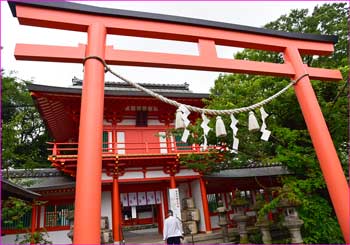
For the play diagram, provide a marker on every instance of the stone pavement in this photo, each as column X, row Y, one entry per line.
column 151, row 236
column 145, row 236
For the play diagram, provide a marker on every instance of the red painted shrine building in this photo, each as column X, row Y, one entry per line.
column 138, row 158
column 139, row 153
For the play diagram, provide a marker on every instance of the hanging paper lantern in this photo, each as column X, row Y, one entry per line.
column 220, row 127
column 253, row 124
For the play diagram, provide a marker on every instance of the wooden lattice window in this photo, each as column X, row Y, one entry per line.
column 141, row 118
column 56, row 215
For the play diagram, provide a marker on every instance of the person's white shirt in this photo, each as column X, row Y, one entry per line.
column 172, row 227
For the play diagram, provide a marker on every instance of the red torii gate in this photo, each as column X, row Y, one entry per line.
column 98, row 22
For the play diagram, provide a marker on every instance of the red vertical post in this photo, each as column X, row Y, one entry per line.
column 330, row 165
column 172, row 181
column 33, row 224
column 114, row 138
column 165, row 201
column 38, row 218
column 116, row 210
column 87, row 212
column 160, row 218
column 205, row 206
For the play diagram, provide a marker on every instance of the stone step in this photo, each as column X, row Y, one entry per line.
column 210, row 238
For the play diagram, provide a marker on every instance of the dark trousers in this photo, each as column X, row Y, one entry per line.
column 173, row 240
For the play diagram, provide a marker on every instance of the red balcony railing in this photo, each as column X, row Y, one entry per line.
column 130, row 148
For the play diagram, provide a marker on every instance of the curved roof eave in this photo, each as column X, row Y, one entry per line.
column 88, row 9
column 64, row 90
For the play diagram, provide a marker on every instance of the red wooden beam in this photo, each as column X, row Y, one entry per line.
column 66, row 20
column 152, row 59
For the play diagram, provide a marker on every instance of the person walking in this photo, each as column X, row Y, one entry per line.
column 172, row 231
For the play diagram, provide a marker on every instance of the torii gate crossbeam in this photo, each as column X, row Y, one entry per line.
column 98, row 22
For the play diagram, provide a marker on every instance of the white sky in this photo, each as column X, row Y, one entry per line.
column 57, row 74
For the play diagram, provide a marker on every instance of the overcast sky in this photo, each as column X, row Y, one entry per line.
column 236, row 12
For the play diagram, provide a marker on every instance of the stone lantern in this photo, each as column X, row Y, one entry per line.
column 223, row 223
column 293, row 223
column 292, row 220
column 263, row 222
column 239, row 205
column 264, row 225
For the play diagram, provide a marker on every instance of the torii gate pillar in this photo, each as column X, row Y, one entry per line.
column 322, row 141
column 89, row 167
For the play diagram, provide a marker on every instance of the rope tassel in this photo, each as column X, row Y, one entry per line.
column 253, row 124
column 220, row 127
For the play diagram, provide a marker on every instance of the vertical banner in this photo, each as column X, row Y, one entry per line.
column 159, row 197
column 124, row 198
column 174, row 198
column 132, row 199
column 151, row 198
column 141, row 198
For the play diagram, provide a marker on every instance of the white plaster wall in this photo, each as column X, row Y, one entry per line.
column 56, row 237
column 106, row 206
column 156, row 174
column 127, row 122
column 196, row 194
column 105, row 122
column 154, row 122
column 132, row 175
column 106, row 177
column 187, row 172
column 183, row 192
column 42, row 216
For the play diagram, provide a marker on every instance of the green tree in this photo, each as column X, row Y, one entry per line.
column 24, row 136
column 290, row 143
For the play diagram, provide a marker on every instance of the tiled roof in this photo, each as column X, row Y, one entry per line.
column 11, row 189
column 250, row 172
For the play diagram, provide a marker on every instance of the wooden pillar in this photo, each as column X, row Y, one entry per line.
column 160, row 218
column 165, row 202
column 205, row 206
column 330, row 165
column 172, row 181
column 33, row 223
column 116, row 211
column 38, row 218
column 87, row 212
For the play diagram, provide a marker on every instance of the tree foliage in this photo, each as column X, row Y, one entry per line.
column 24, row 136
column 290, row 143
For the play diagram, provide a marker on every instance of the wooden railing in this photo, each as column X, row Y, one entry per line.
column 108, row 148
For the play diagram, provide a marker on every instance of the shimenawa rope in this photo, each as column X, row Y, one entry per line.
column 193, row 108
